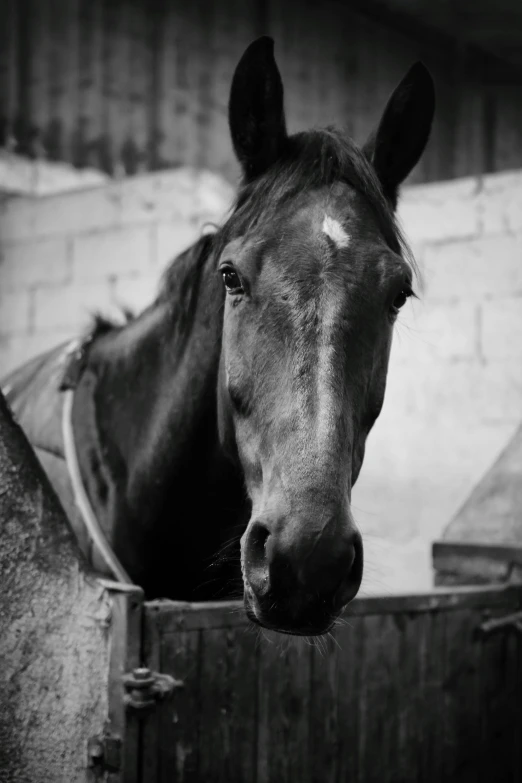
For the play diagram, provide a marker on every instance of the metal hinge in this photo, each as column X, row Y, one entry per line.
column 511, row 622
column 144, row 688
column 104, row 753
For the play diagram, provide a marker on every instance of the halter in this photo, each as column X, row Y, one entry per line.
column 75, row 358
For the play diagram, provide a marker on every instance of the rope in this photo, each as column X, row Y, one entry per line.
column 80, row 496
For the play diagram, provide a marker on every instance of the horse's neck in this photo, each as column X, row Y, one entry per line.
column 157, row 386
column 155, row 467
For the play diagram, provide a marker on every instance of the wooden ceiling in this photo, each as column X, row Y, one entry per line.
column 495, row 26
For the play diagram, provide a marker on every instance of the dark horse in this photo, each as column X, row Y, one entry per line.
column 239, row 402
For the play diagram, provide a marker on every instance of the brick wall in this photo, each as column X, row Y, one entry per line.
column 454, row 393
column 65, row 256
column 455, row 383
column 23, row 176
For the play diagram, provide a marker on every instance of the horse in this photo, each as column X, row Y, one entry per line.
column 219, row 433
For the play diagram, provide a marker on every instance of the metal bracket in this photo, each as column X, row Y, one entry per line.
column 144, row 688
column 104, row 753
column 511, row 622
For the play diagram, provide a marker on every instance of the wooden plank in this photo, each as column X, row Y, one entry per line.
column 22, row 114
column 63, row 79
column 228, row 706
column 337, row 677
column 196, row 53
column 36, row 108
column 507, row 154
column 469, row 154
column 458, row 735
column 115, row 83
column 409, row 694
column 515, row 677
column 414, row 686
column 511, row 706
column 224, row 37
column 284, row 704
column 138, row 31
column 8, row 68
column 513, row 553
column 126, row 620
column 202, row 63
column 500, row 734
column 343, row 36
column 174, row 616
column 351, row 639
column 180, row 740
column 184, row 42
column 485, row 563
column 431, row 645
column 149, row 761
column 329, row 662
column 88, row 142
column 224, row 52
column 157, row 17
column 166, row 114
column 379, row 705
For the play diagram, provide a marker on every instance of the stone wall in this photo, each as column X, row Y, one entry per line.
column 23, row 176
column 66, row 256
column 455, row 383
column 454, row 392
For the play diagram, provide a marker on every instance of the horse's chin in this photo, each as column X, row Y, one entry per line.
column 256, row 617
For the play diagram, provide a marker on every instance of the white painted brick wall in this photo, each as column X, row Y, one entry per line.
column 21, row 176
column 501, row 329
column 170, row 239
column 482, row 267
column 454, row 392
column 25, row 265
column 68, row 308
column 455, row 383
column 115, row 252
column 135, row 292
column 64, row 256
column 15, row 312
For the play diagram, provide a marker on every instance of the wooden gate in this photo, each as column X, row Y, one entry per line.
column 409, row 689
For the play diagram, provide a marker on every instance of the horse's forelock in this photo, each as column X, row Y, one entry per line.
column 313, row 159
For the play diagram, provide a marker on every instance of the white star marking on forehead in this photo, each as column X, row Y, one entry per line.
column 333, row 229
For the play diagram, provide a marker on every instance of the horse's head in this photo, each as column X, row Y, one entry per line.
column 315, row 274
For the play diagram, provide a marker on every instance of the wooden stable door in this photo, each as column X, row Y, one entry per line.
column 409, row 689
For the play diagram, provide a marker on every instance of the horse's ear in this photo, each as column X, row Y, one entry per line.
column 403, row 132
column 255, row 111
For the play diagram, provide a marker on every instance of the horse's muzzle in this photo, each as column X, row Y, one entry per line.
column 295, row 590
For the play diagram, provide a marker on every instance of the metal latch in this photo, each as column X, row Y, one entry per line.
column 104, row 753
column 511, row 622
column 144, row 688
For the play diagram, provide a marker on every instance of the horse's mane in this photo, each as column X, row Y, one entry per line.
column 102, row 324
column 178, row 288
column 181, row 280
column 310, row 159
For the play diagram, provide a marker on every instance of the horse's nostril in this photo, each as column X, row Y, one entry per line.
column 255, row 559
column 349, row 586
column 350, row 559
column 256, row 552
column 358, row 562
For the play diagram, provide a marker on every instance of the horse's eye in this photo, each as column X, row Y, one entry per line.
column 400, row 299
column 232, row 281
